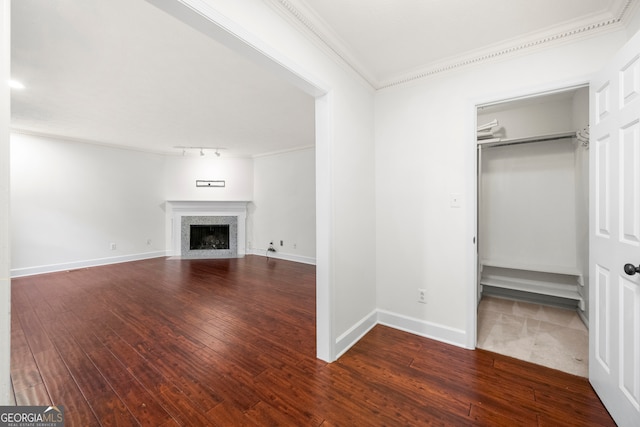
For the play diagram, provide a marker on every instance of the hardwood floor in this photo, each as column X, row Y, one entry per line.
column 166, row 342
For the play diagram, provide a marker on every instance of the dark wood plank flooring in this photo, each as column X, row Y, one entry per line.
column 167, row 342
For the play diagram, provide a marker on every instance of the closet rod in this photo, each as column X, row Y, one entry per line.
column 528, row 140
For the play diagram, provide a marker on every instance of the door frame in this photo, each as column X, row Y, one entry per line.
column 472, row 182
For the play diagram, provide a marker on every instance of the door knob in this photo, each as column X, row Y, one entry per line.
column 631, row 269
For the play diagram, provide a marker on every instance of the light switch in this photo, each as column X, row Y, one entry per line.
column 454, row 200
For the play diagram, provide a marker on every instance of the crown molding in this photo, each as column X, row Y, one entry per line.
column 310, row 24
column 63, row 138
column 313, row 25
column 165, row 152
column 588, row 27
column 285, row 151
column 625, row 9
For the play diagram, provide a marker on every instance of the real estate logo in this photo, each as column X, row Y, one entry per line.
column 31, row 416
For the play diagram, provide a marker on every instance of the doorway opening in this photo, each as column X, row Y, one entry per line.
column 532, row 227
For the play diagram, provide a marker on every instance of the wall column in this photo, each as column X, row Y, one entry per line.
column 5, row 258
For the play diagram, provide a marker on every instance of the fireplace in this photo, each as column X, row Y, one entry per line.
column 206, row 237
column 206, row 229
column 209, row 236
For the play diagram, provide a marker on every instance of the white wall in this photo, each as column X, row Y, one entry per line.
column 70, row 201
column 425, row 151
column 283, row 207
column 181, row 174
column 345, row 157
column 5, row 260
column 527, row 204
column 383, row 215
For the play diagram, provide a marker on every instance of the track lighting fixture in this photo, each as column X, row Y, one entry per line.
column 201, row 149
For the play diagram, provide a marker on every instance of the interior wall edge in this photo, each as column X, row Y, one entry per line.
column 5, row 241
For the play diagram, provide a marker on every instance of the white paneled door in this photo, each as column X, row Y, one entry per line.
column 614, row 216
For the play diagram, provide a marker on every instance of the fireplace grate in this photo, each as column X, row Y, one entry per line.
column 209, row 237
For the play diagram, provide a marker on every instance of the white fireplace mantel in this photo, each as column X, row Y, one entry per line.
column 176, row 209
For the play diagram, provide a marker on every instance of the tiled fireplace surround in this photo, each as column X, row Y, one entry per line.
column 181, row 214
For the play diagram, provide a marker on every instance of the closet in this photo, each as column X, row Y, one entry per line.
column 533, row 199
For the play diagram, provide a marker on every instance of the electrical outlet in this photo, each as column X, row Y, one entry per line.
column 281, row 243
column 148, row 241
column 422, row 296
column 113, row 246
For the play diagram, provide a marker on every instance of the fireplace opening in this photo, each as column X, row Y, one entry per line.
column 207, row 237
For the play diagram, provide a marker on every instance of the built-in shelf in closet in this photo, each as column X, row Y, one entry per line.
column 560, row 282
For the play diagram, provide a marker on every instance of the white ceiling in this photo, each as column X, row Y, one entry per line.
column 121, row 72
column 388, row 40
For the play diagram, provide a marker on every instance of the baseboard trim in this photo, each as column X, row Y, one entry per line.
column 345, row 341
column 52, row 268
column 583, row 317
column 446, row 334
column 283, row 256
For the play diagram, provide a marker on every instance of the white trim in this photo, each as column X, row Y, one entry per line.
column 345, row 341
column 423, row 328
column 283, row 256
column 471, row 255
column 52, row 268
column 583, row 317
column 7, row 396
column 47, row 135
column 311, row 25
column 288, row 150
column 434, row 331
column 522, row 46
column 325, row 279
column 307, row 21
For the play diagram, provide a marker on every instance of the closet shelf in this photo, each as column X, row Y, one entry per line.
column 555, row 269
column 534, row 286
column 513, row 141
